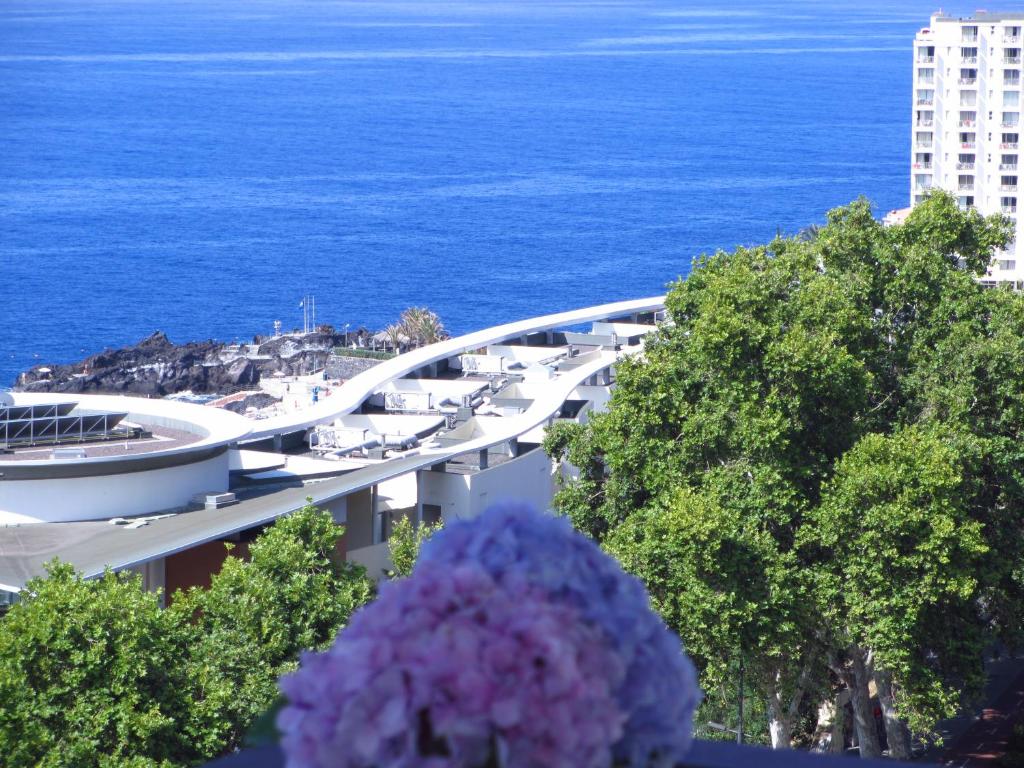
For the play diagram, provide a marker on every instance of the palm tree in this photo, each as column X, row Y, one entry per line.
column 396, row 335
column 422, row 326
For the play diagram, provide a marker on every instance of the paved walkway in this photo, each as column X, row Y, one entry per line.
column 981, row 745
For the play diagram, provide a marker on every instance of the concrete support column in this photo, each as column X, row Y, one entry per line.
column 419, row 498
column 278, row 444
column 483, row 459
column 513, row 447
column 375, row 516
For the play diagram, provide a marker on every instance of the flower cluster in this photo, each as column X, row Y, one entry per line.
column 659, row 692
column 515, row 642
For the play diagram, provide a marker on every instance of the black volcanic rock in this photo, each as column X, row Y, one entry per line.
column 156, row 366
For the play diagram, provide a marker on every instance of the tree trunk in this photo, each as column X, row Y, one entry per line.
column 841, row 723
column 895, row 731
column 779, row 726
column 830, row 731
column 863, row 715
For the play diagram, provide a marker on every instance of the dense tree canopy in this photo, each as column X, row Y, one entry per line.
column 816, row 466
column 90, row 675
column 95, row 673
column 404, row 544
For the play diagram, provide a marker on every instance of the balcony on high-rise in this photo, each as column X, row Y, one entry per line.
column 1011, row 56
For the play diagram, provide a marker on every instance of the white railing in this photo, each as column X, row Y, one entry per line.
column 965, row 166
column 1007, row 166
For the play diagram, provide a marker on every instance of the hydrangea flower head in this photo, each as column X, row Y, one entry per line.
column 515, row 543
column 452, row 668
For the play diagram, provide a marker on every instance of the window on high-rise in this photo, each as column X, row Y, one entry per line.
column 1011, row 98
column 1011, row 119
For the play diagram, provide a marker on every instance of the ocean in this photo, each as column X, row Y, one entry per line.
column 198, row 166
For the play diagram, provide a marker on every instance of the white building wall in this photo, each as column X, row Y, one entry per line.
column 154, row 577
column 106, row 496
column 376, row 559
column 526, row 478
column 966, row 126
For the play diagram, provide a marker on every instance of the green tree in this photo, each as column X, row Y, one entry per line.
column 294, row 593
column 422, row 326
column 90, row 675
column 897, row 551
column 725, row 435
column 404, row 544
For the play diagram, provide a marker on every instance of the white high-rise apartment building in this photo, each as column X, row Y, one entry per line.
column 967, row 120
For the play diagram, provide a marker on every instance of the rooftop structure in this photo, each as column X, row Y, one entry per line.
column 966, row 120
column 422, row 435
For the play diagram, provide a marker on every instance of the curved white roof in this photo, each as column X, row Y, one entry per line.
column 353, row 392
column 215, row 426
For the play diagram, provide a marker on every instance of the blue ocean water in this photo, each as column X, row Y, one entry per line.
column 196, row 166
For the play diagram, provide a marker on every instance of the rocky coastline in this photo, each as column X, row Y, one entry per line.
column 157, row 367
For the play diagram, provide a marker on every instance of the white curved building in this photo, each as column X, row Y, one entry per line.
column 439, row 432
column 55, row 478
